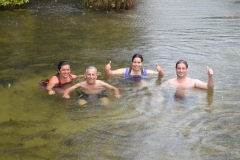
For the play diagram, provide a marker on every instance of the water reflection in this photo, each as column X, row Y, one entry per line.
column 147, row 122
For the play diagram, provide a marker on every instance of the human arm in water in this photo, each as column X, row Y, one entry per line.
column 116, row 90
column 108, row 70
column 210, row 84
column 52, row 82
column 83, row 84
column 70, row 89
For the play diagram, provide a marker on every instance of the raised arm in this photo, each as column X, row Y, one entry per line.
column 159, row 71
column 210, row 78
column 108, row 70
column 210, row 84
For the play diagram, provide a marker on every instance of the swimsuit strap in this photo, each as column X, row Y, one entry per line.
column 59, row 79
column 127, row 72
column 143, row 71
column 71, row 78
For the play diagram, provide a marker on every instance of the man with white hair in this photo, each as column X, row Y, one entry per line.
column 92, row 88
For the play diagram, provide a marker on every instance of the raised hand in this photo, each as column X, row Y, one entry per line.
column 108, row 66
column 209, row 71
column 159, row 69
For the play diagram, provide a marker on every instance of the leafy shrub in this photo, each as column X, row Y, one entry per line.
column 12, row 2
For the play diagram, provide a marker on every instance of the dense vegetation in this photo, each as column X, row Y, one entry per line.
column 12, row 2
column 109, row 4
column 93, row 4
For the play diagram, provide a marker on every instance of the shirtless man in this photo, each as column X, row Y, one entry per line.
column 92, row 88
column 182, row 81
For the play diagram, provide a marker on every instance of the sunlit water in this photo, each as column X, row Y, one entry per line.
column 150, row 120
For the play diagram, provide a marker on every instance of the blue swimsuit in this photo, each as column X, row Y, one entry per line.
column 128, row 73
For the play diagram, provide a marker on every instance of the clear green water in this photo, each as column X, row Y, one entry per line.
column 146, row 122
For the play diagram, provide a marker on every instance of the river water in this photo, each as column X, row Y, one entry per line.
column 149, row 121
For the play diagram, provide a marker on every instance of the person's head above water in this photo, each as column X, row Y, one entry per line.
column 64, row 68
column 91, row 75
column 137, row 56
column 63, row 63
column 181, row 61
column 91, row 67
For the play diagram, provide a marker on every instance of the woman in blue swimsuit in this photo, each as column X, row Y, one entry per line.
column 135, row 71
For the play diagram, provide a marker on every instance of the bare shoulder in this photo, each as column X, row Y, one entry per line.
column 53, row 79
column 100, row 82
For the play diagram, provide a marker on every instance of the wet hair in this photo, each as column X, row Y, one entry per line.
column 91, row 67
column 137, row 56
column 182, row 61
column 62, row 63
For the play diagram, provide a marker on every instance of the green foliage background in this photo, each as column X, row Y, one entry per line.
column 12, row 2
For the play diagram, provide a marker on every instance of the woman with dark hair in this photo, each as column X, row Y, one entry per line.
column 61, row 81
column 135, row 70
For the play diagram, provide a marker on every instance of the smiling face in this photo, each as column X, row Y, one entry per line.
column 64, row 71
column 91, row 75
column 137, row 64
column 181, row 70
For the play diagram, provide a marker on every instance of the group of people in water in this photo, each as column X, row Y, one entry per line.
column 92, row 88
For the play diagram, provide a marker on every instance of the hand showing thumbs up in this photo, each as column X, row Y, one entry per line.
column 108, row 66
column 160, row 70
column 209, row 71
column 108, row 69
